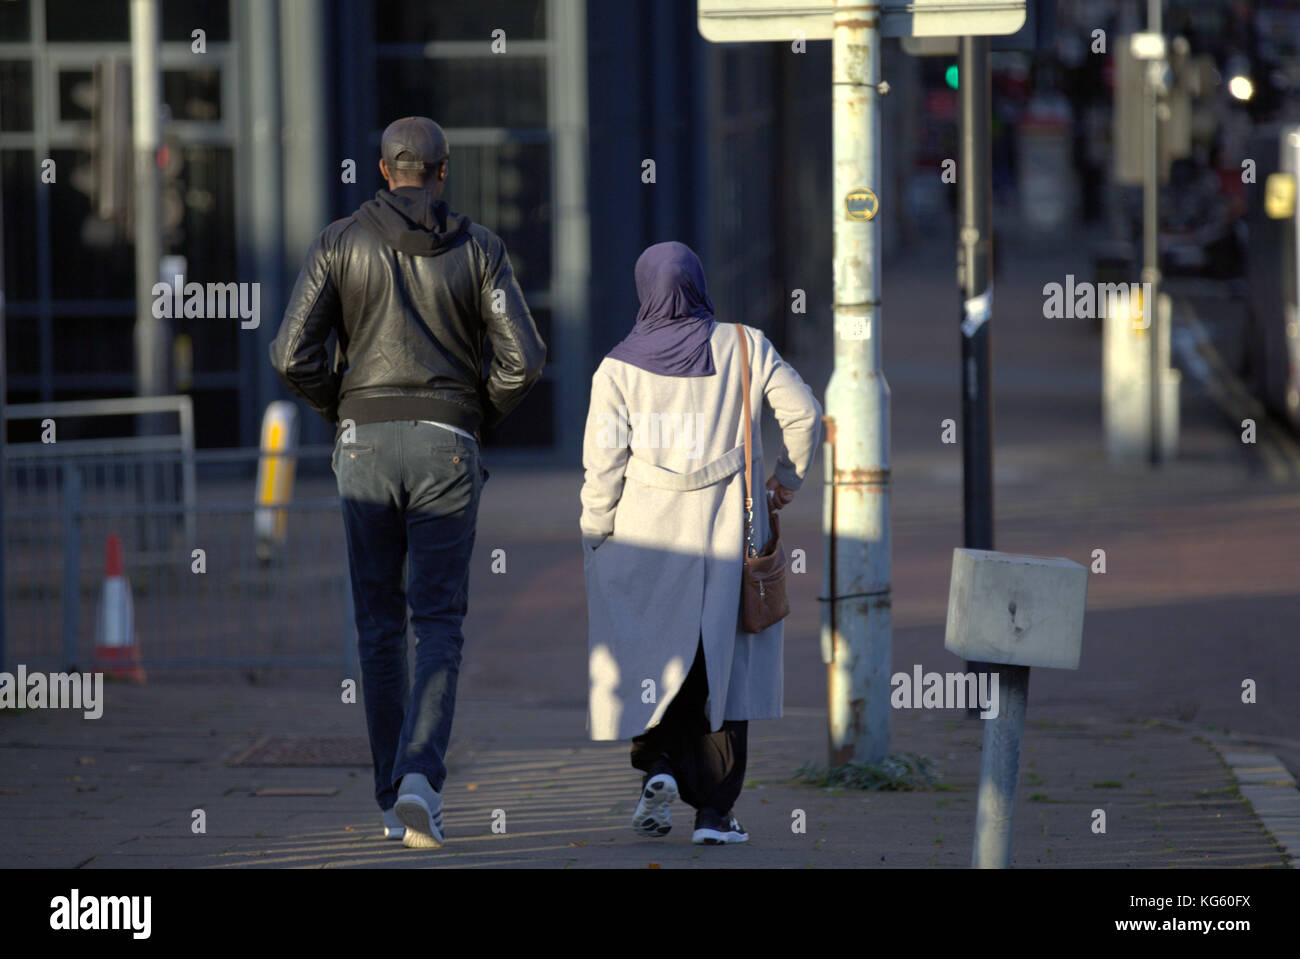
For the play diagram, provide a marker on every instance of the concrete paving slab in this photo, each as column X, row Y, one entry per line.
column 1166, row 799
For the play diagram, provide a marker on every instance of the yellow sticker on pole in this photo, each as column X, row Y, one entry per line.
column 861, row 204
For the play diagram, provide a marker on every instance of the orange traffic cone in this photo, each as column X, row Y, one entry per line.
column 116, row 653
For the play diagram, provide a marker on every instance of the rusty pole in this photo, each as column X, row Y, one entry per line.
column 856, row 620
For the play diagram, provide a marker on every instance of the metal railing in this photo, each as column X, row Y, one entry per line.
column 223, row 607
column 160, row 467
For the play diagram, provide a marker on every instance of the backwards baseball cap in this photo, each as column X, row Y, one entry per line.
column 414, row 143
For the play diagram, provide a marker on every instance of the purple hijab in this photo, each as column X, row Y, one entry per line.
column 671, row 334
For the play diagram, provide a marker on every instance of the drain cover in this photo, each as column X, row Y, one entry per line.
column 305, row 751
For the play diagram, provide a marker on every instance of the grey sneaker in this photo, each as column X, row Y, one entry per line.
column 419, row 808
column 393, row 828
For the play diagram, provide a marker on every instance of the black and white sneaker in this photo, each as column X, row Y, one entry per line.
column 714, row 829
column 654, row 816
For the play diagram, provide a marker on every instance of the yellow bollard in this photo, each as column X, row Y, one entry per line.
column 275, row 470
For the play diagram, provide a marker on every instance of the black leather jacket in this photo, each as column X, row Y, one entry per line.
column 410, row 291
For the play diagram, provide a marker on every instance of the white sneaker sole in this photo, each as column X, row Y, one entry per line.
column 654, row 818
column 716, row 837
column 423, row 830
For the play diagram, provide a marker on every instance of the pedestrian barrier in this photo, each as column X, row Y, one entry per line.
column 160, row 467
column 201, row 597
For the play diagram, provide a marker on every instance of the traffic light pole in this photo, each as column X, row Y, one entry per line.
column 151, row 346
column 856, row 614
column 974, row 260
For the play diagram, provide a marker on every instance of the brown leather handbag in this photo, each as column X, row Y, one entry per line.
column 763, row 600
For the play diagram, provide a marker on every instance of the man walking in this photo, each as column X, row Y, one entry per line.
column 410, row 291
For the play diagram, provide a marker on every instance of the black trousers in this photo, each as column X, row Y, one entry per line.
column 709, row 766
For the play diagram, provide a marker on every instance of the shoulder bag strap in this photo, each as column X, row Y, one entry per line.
column 750, row 549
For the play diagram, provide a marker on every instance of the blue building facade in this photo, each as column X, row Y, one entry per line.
column 581, row 132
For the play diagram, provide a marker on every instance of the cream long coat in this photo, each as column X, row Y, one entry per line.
column 663, row 525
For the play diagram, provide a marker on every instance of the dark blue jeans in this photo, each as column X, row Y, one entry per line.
column 409, row 489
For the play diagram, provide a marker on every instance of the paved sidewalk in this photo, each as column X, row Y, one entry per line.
column 1199, row 595
column 120, row 791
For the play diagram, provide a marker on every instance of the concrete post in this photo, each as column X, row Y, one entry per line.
column 152, row 349
column 571, row 256
column 262, row 219
column 304, row 80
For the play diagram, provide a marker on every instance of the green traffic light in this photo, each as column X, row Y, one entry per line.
column 950, row 76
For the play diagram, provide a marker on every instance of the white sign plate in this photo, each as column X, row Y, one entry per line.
column 741, row 21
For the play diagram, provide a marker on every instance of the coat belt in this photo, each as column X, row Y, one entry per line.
column 733, row 461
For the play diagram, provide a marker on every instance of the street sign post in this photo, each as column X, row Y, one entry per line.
column 856, row 593
column 1016, row 612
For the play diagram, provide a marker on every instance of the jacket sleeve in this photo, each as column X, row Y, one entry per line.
column 518, row 352
column 797, row 412
column 299, row 352
column 604, row 459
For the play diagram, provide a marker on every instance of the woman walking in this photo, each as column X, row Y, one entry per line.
column 663, row 516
